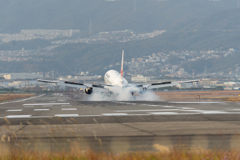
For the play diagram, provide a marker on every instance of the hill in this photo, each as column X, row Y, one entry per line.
column 94, row 57
column 72, row 58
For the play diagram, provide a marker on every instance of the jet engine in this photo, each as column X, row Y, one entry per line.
column 143, row 91
column 88, row 90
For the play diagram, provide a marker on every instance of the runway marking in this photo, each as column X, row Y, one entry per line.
column 163, row 113
column 109, row 114
column 199, row 102
column 187, row 113
column 186, row 108
column 155, row 105
column 41, row 116
column 29, row 98
column 138, row 114
column 114, row 114
column 202, row 111
column 209, row 112
column 23, row 99
column 152, row 110
column 43, row 104
column 215, row 112
column 66, row 115
column 18, row 116
column 90, row 116
column 69, row 109
column 14, row 110
column 196, row 110
column 41, row 110
column 63, row 100
column 168, row 106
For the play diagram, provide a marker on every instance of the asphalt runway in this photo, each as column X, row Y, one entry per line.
column 56, row 121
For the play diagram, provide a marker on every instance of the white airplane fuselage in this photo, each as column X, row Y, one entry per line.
column 113, row 77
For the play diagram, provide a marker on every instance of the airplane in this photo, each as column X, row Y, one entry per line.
column 115, row 83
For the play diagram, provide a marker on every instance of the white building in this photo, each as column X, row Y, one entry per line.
column 207, row 82
column 140, row 78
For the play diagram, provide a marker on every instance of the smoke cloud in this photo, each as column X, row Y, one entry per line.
column 120, row 94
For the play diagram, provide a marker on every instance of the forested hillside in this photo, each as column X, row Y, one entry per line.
column 72, row 58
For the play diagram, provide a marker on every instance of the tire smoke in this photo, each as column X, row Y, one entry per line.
column 119, row 94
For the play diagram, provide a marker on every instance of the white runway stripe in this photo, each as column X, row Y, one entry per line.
column 41, row 109
column 18, row 116
column 168, row 107
column 138, row 114
column 42, row 104
column 23, row 99
column 163, row 113
column 14, row 110
column 109, row 114
column 29, row 98
column 114, row 114
column 186, row 108
column 187, row 113
column 66, row 115
column 214, row 112
column 69, row 109
column 198, row 102
column 208, row 111
column 150, row 110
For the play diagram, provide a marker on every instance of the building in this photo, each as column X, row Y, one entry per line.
column 207, row 82
column 12, row 76
column 140, row 78
column 185, row 85
column 140, row 59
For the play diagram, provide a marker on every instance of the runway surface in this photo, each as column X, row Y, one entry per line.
column 120, row 126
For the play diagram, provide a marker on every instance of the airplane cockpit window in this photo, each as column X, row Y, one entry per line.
column 107, row 75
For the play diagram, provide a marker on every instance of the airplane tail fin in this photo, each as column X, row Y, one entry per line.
column 122, row 65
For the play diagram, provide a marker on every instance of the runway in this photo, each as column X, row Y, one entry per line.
column 121, row 126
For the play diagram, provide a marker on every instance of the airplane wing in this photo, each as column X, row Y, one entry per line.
column 163, row 84
column 74, row 84
column 105, row 87
column 169, row 84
